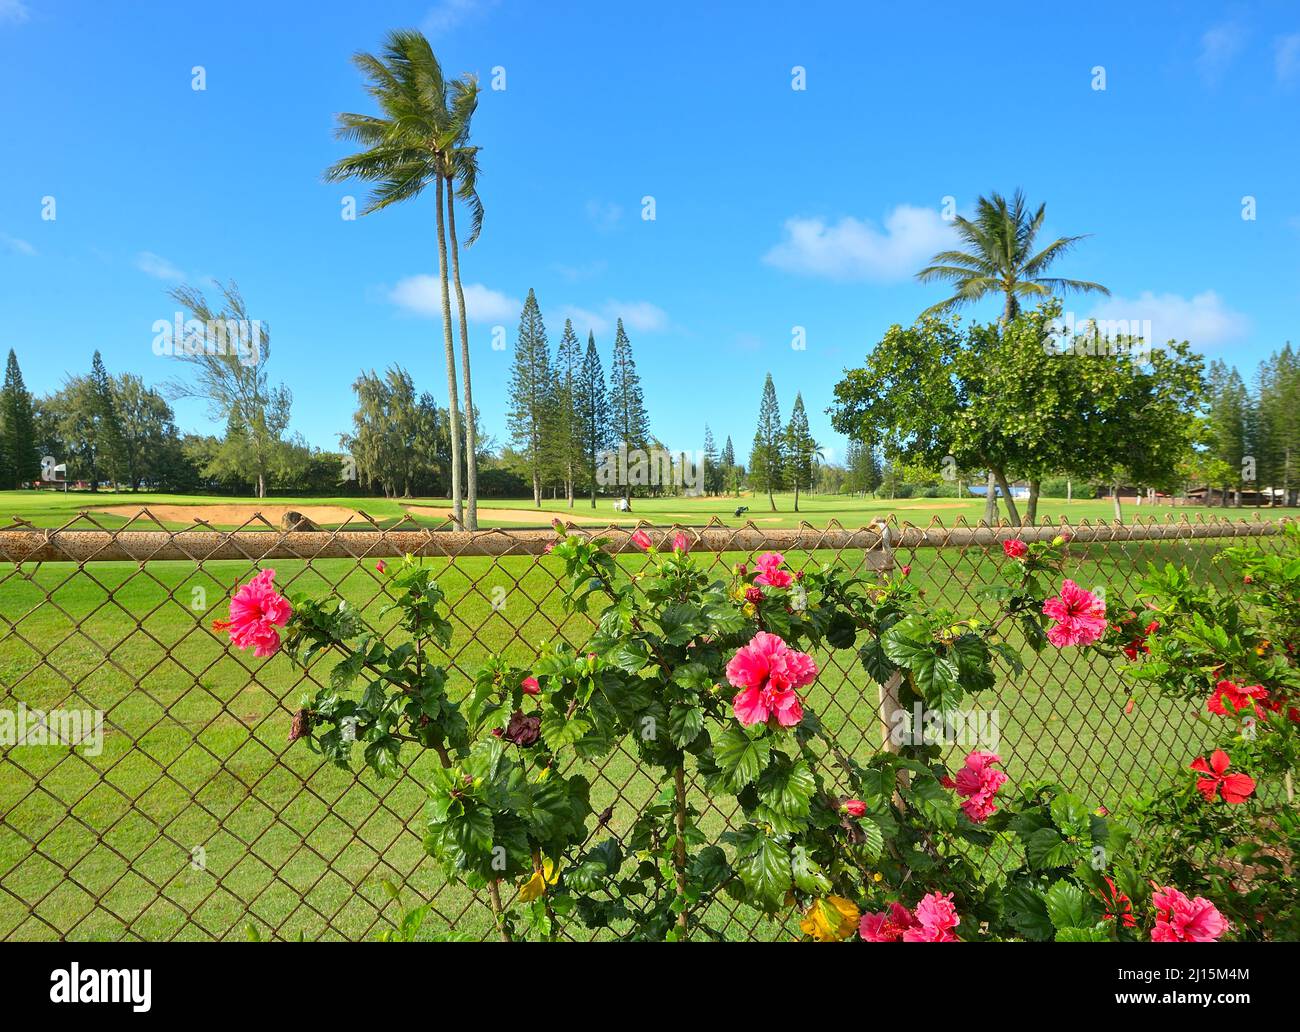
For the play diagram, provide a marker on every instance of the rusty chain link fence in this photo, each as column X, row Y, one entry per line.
column 190, row 817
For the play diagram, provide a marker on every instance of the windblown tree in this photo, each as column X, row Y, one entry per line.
column 531, row 394
column 393, row 440
column 233, row 380
column 801, row 451
column 419, row 139
column 19, row 460
column 629, row 424
column 591, row 403
column 766, row 458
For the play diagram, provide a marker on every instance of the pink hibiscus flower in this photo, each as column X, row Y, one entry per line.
column 1014, row 549
column 1080, row 616
column 887, row 926
column 979, row 782
column 767, row 672
column 681, row 543
column 1235, row 788
column 935, row 917
column 1179, row 919
column 770, row 572
column 530, row 686
column 642, row 541
column 256, row 610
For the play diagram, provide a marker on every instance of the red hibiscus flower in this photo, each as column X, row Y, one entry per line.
column 1234, row 788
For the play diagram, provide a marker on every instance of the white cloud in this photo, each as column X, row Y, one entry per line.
column 1203, row 320
column 448, row 14
column 1286, row 58
column 422, row 295
column 13, row 12
column 855, row 249
column 1220, row 46
column 157, row 266
column 604, row 215
column 16, row 246
column 637, row 316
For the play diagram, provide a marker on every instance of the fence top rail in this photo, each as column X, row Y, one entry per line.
column 73, row 543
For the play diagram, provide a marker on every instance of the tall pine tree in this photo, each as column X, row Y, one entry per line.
column 800, row 450
column 628, row 421
column 728, row 461
column 765, row 458
column 592, row 405
column 19, row 461
column 566, row 437
column 531, row 410
column 108, row 446
column 711, row 471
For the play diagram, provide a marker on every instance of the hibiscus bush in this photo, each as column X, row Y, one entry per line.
column 705, row 680
column 1226, row 824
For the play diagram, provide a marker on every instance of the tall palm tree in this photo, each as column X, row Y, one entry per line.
column 1001, row 258
column 464, row 174
column 407, row 147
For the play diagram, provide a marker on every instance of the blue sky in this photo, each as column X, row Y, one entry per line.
column 775, row 208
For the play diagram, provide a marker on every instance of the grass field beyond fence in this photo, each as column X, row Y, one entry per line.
column 198, row 820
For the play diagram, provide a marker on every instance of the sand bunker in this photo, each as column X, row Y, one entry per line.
column 540, row 517
column 236, row 515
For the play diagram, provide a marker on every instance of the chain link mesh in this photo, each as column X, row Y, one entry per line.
column 197, row 820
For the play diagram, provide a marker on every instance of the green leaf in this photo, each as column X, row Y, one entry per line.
column 908, row 640
column 710, row 869
column 808, row 875
column 787, row 787
column 1071, row 815
column 1097, row 933
column 938, row 681
column 1066, row 904
column 765, row 873
column 875, row 662
column 1045, row 849
column 740, row 757
column 472, row 830
column 1027, row 912
column 684, row 724
column 681, row 623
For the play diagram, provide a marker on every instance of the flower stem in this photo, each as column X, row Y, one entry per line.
column 494, row 893
column 679, row 849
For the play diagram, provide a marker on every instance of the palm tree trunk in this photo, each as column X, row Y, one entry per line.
column 453, row 404
column 471, row 431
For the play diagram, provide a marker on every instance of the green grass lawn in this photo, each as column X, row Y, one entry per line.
column 52, row 509
column 195, row 752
